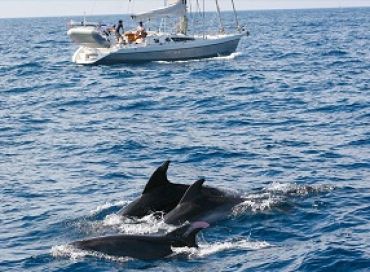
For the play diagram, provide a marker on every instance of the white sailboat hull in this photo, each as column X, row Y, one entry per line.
column 167, row 51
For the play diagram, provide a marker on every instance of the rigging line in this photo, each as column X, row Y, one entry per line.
column 165, row 29
column 191, row 14
column 222, row 29
column 194, row 12
column 128, row 7
column 93, row 6
column 198, row 6
column 132, row 6
column 197, row 13
column 236, row 16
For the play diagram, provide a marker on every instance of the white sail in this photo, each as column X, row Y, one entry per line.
column 175, row 8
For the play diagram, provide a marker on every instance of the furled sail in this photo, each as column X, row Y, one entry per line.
column 174, row 8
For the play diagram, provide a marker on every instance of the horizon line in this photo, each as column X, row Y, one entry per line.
column 210, row 11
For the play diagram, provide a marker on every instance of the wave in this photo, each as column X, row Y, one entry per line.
column 228, row 57
column 73, row 253
column 290, row 189
column 114, row 223
column 149, row 224
column 276, row 195
column 257, row 204
column 204, row 250
column 108, row 205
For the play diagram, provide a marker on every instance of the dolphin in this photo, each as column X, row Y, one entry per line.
column 198, row 204
column 160, row 195
column 144, row 247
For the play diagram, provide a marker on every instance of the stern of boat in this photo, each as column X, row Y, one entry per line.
column 89, row 56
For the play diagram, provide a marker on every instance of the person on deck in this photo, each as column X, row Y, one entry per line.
column 140, row 31
column 119, row 31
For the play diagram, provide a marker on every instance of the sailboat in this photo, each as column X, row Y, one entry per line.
column 99, row 45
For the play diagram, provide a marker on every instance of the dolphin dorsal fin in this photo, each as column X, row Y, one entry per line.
column 193, row 191
column 188, row 233
column 158, row 178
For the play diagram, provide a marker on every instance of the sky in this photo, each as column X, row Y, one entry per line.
column 46, row 8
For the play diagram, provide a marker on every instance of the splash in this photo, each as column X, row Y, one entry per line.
column 255, row 205
column 107, row 205
column 75, row 254
column 206, row 249
column 209, row 249
column 114, row 223
column 148, row 224
column 277, row 194
column 70, row 251
column 228, row 57
column 297, row 189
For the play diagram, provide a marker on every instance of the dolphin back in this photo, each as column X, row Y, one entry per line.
column 158, row 178
column 159, row 195
column 133, row 246
column 193, row 191
column 144, row 247
column 201, row 203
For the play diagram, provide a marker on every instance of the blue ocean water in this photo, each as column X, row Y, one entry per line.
column 285, row 121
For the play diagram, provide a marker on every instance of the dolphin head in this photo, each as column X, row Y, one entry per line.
column 186, row 235
column 189, row 205
column 202, row 203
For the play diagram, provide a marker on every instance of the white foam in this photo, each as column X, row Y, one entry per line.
column 209, row 249
column 278, row 187
column 228, row 57
column 297, row 189
column 254, row 205
column 145, row 225
column 275, row 194
column 112, row 220
column 107, row 205
column 75, row 254
column 113, row 223
column 68, row 251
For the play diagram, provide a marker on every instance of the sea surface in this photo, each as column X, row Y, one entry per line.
column 285, row 121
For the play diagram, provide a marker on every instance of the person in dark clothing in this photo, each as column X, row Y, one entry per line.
column 119, row 30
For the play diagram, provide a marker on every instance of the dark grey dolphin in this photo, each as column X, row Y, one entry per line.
column 144, row 247
column 198, row 204
column 160, row 195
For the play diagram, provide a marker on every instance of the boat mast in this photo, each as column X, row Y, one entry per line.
column 236, row 17
column 164, row 21
column 222, row 29
column 184, row 22
column 204, row 18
